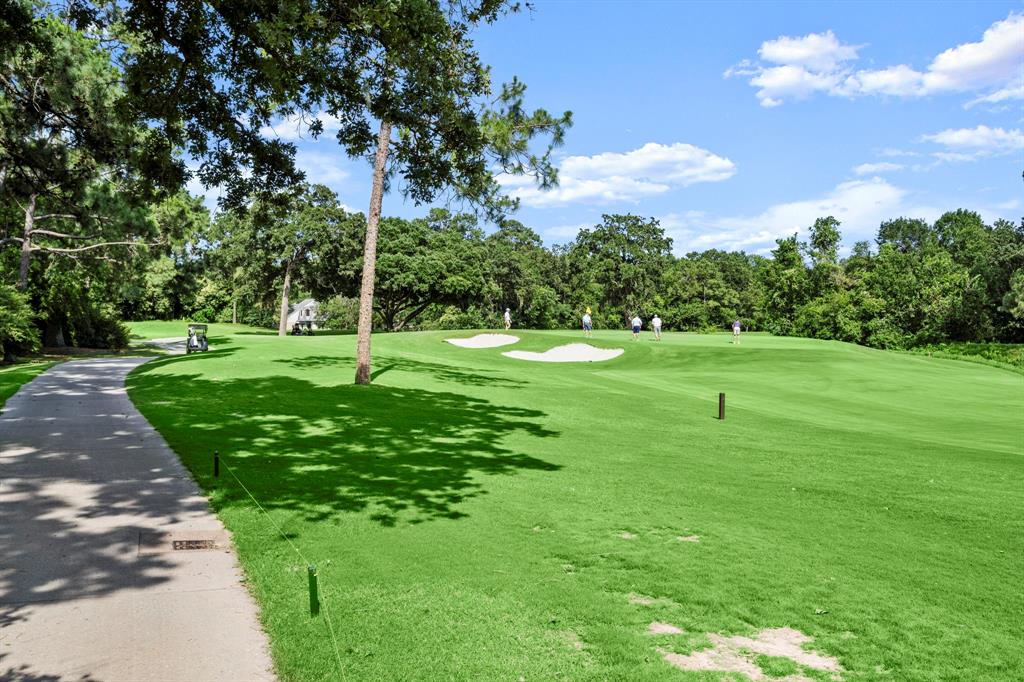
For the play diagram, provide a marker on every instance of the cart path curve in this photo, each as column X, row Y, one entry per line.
column 91, row 498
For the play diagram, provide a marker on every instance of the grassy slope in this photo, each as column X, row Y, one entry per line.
column 466, row 510
column 164, row 329
column 12, row 377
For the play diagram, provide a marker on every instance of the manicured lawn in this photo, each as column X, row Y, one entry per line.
column 165, row 329
column 12, row 377
column 476, row 517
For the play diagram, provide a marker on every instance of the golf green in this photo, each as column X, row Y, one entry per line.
column 477, row 517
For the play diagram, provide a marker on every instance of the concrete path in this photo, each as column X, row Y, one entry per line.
column 93, row 504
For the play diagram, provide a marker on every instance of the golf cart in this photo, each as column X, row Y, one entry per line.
column 196, row 339
column 303, row 328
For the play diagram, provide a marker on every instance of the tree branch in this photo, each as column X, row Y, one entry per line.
column 61, row 235
column 49, row 249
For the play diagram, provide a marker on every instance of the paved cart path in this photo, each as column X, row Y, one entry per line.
column 92, row 501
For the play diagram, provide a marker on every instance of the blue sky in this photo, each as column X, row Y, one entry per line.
column 737, row 123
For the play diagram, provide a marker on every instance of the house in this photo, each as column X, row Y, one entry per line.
column 306, row 310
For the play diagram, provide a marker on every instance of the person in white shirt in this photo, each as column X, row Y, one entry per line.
column 588, row 324
column 656, row 326
column 637, row 325
column 508, row 319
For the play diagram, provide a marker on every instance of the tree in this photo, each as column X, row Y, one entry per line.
column 288, row 239
column 17, row 333
column 420, row 74
column 623, row 262
column 786, row 283
column 67, row 158
column 522, row 276
column 425, row 262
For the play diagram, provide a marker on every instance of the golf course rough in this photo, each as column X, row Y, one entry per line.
column 465, row 513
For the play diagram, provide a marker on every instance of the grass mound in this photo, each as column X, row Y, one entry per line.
column 478, row 517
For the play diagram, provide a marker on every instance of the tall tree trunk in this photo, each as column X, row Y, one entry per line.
column 282, row 327
column 26, row 244
column 234, row 311
column 370, row 257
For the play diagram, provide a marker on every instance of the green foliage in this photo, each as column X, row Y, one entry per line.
column 999, row 354
column 17, row 333
column 625, row 258
column 340, row 312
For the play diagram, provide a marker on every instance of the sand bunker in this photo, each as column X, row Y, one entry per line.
column 736, row 654
column 573, row 352
column 484, row 341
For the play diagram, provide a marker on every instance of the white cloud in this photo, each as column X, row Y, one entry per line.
column 873, row 168
column 891, row 152
column 322, row 168
column 625, row 177
column 819, row 62
column 971, row 144
column 1007, row 93
column 981, row 137
column 815, row 51
column 860, row 205
column 296, row 126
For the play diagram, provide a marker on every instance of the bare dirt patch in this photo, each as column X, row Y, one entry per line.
column 688, row 538
column 627, row 536
column 573, row 352
column 484, row 341
column 663, row 629
column 644, row 600
column 573, row 640
column 736, row 654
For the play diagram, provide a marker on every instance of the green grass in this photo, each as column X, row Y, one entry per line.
column 1008, row 355
column 466, row 511
column 164, row 329
column 12, row 377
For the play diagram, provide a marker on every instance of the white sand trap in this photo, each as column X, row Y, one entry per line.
column 573, row 352
column 484, row 341
column 736, row 654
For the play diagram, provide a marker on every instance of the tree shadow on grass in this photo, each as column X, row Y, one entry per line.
column 384, row 365
column 397, row 453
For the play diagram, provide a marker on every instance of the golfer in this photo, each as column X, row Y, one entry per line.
column 736, row 331
column 508, row 319
column 588, row 324
column 656, row 326
column 637, row 325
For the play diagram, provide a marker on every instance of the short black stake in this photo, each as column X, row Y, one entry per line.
column 314, row 598
column 216, row 464
column 721, row 406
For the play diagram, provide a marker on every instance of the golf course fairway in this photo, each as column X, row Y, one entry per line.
column 478, row 517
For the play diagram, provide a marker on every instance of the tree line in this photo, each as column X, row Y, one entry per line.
column 957, row 279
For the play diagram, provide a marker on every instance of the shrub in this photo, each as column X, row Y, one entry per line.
column 17, row 333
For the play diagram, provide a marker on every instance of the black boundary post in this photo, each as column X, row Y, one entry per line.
column 216, row 464
column 314, row 597
column 721, row 406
